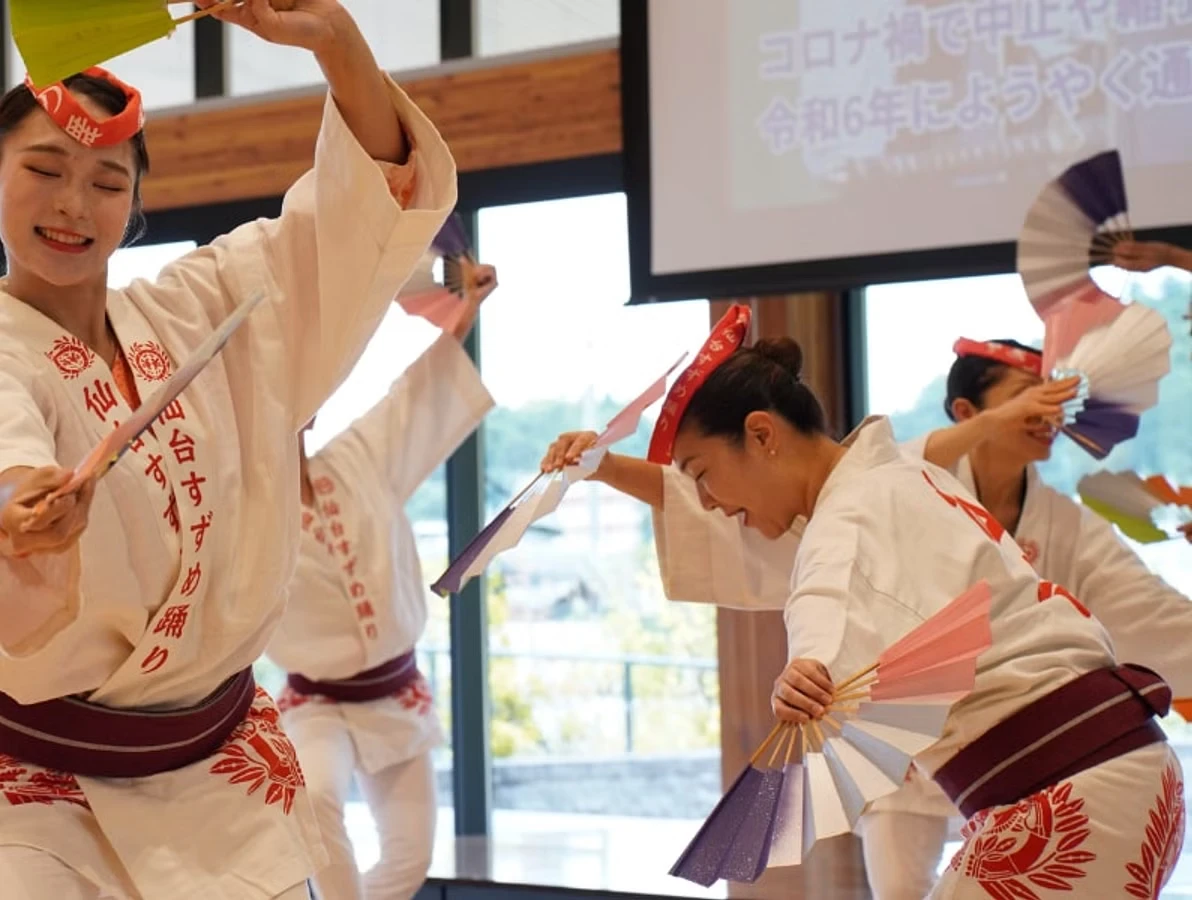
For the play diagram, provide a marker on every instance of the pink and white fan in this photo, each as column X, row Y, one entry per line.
column 543, row 495
column 809, row 782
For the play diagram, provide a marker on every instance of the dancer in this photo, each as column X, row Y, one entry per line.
column 1056, row 743
column 355, row 703
column 707, row 557
column 137, row 758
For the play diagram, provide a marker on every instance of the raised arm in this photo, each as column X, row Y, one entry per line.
column 1030, row 410
column 351, row 231
column 435, row 404
column 636, row 478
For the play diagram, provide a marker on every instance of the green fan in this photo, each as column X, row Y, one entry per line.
column 58, row 38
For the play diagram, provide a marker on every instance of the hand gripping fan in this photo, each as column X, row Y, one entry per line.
column 1120, row 365
column 1146, row 510
column 442, row 304
column 58, row 38
column 879, row 720
column 542, row 495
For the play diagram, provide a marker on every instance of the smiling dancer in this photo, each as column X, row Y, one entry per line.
column 137, row 759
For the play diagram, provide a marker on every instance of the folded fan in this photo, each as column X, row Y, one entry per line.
column 1071, row 226
column 861, row 750
column 1120, row 365
column 542, row 495
column 58, row 38
column 1146, row 511
column 442, row 304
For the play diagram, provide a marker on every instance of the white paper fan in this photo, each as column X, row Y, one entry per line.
column 1120, row 365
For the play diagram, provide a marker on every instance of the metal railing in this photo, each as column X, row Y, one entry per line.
column 429, row 657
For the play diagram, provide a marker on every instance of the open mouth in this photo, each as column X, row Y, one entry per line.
column 64, row 241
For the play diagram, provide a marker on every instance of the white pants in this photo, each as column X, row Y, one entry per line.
column 401, row 799
column 902, row 853
column 29, row 874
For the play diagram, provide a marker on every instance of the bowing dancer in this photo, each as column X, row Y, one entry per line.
column 1000, row 404
column 137, row 758
column 355, row 703
column 1051, row 752
column 711, row 558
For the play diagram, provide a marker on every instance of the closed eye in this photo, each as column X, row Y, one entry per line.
column 42, row 172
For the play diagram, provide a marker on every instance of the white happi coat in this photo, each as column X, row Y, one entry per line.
column 888, row 546
column 358, row 599
column 734, row 566
column 1071, row 545
column 181, row 574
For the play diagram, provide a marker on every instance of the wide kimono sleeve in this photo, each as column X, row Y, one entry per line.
column 834, row 613
column 39, row 596
column 707, row 557
column 1149, row 621
column 351, row 232
column 436, row 403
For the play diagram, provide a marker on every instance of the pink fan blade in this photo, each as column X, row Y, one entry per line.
column 1055, row 299
column 972, row 603
column 625, row 422
column 964, row 624
column 1083, row 311
column 952, row 677
column 438, row 306
column 966, row 642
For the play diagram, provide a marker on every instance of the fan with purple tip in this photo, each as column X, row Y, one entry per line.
column 1120, row 365
column 1071, row 227
column 879, row 720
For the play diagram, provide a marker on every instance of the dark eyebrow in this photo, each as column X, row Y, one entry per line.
column 58, row 151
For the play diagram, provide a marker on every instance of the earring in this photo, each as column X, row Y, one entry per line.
column 772, row 451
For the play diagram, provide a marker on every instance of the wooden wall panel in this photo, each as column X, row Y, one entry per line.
column 752, row 645
column 545, row 110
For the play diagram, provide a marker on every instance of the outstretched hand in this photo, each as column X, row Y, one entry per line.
column 28, row 525
column 567, row 449
column 1141, row 256
column 311, row 24
column 1038, row 408
column 482, row 281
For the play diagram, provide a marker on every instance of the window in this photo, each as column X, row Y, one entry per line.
column 144, row 261
column 510, row 26
column 162, row 71
column 403, row 34
column 910, row 330
column 604, row 695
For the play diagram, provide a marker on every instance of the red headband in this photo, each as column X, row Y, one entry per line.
column 70, row 115
column 1027, row 360
column 728, row 335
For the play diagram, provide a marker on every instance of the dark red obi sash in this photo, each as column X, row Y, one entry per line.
column 71, row 735
column 1090, row 720
column 384, row 680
